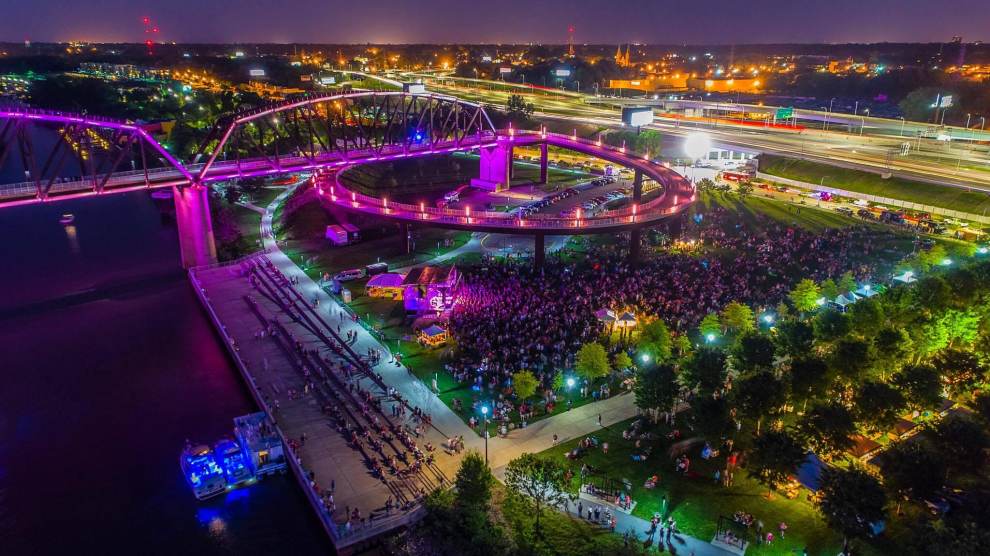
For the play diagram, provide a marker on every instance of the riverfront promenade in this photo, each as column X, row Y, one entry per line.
column 269, row 292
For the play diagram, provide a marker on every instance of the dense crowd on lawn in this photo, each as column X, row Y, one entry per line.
column 511, row 317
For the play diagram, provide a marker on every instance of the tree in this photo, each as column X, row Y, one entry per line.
column 808, row 376
column 878, row 406
column 912, row 468
column 655, row 341
column 831, row 325
column 657, row 389
column 852, row 358
column 829, row 289
column 981, row 404
column 921, row 386
column 847, row 282
column 759, row 395
column 961, row 370
column 518, row 108
column 963, row 440
column 851, row 501
column 827, row 429
column 891, row 346
column 753, row 351
column 917, row 105
column 591, row 361
column 710, row 325
column 866, row 317
column 775, row 456
column 795, row 337
column 737, row 317
column 711, row 416
column 621, row 360
column 805, row 295
column 524, row 384
column 705, row 370
column 540, row 479
column 474, row 483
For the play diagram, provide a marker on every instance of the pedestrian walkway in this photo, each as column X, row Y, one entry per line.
column 536, row 437
column 640, row 529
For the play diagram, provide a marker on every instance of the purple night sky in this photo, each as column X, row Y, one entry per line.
column 435, row 21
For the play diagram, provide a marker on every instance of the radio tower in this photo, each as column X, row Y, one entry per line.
column 150, row 34
column 570, row 41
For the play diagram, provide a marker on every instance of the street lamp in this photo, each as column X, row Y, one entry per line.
column 484, row 413
column 709, row 337
column 570, row 384
column 645, row 357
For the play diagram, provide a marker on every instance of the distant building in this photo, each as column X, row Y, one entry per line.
column 622, row 60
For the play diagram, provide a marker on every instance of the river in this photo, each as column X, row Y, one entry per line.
column 108, row 364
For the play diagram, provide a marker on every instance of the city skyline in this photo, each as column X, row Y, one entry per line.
column 446, row 21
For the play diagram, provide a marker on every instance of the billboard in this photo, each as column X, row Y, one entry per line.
column 257, row 73
column 328, row 80
column 504, row 71
column 562, row 73
column 637, row 116
column 414, row 88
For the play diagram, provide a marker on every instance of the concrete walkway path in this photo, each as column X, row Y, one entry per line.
column 538, row 436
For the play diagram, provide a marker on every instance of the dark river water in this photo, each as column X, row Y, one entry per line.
column 107, row 364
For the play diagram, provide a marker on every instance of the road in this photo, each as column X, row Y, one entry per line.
column 929, row 161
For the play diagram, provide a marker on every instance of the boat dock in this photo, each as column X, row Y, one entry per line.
column 357, row 446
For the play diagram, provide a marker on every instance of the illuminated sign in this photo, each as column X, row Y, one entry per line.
column 562, row 73
column 414, row 88
column 637, row 116
column 436, row 303
column 504, row 70
column 328, row 80
column 634, row 83
column 257, row 73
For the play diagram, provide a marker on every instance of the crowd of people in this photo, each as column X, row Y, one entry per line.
column 511, row 317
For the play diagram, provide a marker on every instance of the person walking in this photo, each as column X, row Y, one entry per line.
column 554, row 440
column 599, row 419
column 759, row 531
column 580, row 511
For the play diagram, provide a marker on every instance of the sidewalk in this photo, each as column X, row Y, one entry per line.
column 536, row 437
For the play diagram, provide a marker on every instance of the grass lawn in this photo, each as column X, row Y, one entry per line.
column 872, row 184
column 697, row 501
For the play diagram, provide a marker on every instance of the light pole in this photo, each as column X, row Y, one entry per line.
column 484, row 413
column 570, row 384
column 903, row 121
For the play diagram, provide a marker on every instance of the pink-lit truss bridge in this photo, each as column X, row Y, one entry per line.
column 65, row 156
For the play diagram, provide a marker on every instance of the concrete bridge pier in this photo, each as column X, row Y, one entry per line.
column 635, row 241
column 495, row 170
column 544, row 163
column 540, row 251
column 405, row 235
column 192, row 213
column 637, row 186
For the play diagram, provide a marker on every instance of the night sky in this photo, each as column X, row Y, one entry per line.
column 435, row 21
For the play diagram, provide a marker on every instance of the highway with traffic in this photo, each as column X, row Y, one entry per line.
column 875, row 144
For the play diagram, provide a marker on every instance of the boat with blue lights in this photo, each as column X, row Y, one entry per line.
column 201, row 470
column 261, row 443
column 233, row 462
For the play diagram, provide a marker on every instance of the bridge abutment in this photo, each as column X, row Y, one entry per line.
column 495, row 169
column 192, row 213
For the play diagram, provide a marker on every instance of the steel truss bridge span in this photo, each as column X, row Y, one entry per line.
column 74, row 155
column 677, row 194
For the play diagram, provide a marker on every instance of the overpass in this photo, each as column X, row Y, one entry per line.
column 314, row 132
